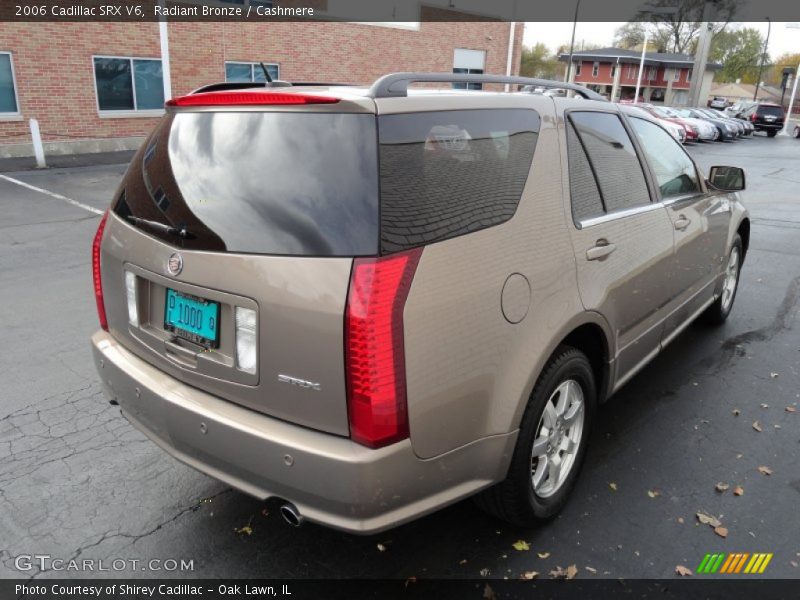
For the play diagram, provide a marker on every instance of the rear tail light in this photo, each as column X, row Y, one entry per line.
column 245, row 339
column 249, row 98
column 374, row 349
column 96, row 274
column 753, row 117
column 130, row 292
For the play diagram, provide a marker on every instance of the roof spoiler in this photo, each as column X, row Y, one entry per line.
column 242, row 85
column 395, row 85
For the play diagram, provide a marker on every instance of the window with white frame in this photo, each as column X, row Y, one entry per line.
column 128, row 84
column 250, row 71
column 578, row 69
column 8, row 87
column 595, row 69
column 613, row 70
column 468, row 62
column 676, row 76
column 689, row 75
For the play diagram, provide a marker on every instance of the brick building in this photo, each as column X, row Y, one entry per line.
column 100, row 86
column 613, row 72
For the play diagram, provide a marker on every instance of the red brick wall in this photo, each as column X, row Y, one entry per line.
column 604, row 76
column 55, row 78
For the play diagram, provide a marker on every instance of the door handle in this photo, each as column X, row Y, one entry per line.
column 682, row 223
column 600, row 250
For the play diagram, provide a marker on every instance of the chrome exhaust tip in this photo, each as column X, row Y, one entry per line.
column 291, row 515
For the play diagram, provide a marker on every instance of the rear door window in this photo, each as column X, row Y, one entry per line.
column 772, row 111
column 449, row 173
column 613, row 159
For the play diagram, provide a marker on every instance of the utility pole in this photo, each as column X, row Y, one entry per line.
column 572, row 42
column 701, row 54
column 763, row 58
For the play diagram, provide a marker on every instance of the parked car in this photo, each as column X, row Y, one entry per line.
column 676, row 130
column 738, row 125
column 766, row 117
column 796, row 132
column 737, row 109
column 370, row 303
column 725, row 131
column 708, row 131
column 719, row 102
column 691, row 128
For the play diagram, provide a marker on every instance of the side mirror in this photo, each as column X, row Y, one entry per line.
column 726, row 179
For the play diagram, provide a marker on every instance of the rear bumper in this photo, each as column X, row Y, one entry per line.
column 330, row 479
column 768, row 126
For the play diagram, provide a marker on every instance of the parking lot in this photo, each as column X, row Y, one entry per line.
column 77, row 481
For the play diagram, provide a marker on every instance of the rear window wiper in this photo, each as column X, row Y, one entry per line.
column 181, row 231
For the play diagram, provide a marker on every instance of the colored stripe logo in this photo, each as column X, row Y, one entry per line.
column 735, row 562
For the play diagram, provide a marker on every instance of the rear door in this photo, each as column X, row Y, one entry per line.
column 229, row 247
column 700, row 219
column 623, row 241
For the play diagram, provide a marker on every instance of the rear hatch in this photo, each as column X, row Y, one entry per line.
column 769, row 115
column 228, row 251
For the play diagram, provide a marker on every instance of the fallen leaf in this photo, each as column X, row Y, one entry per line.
column 264, row 512
column 739, row 455
column 613, row 486
column 773, row 375
column 764, row 405
column 543, row 554
column 412, row 579
column 521, row 545
column 683, row 571
column 736, row 412
column 591, row 569
column 721, row 531
column 381, row 547
column 568, row 573
column 246, row 530
column 777, row 426
column 463, row 561
column 653, row 493
column 791, row 409
column 756, row 426
column 488, row 593
column 721, row 487
column 765, row 470
column 485, row 572
column 708, row 520
column 793, row 563
column 738, row 490
column 680, row 520
column 528, row 575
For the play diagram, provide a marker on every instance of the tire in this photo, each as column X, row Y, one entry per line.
column 515, row 499
column 772, row 133
column 717, row 313
column 797, row 132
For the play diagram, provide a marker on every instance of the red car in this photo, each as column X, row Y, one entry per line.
column 661, row 112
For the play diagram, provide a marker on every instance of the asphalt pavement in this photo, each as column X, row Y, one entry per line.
column 77, row 481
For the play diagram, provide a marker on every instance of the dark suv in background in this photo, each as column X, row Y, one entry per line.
column 765, row 117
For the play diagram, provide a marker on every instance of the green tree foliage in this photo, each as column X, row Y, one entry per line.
column 739, row 51
column 537, row 61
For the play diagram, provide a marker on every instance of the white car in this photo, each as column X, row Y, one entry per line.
column 707, row 131
column 675, row 130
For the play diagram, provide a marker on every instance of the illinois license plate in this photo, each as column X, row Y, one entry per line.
column 192, row 318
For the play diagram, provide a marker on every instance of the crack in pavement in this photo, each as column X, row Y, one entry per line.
column 135, row 537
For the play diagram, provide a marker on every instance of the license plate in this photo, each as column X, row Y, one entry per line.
column 192, row 318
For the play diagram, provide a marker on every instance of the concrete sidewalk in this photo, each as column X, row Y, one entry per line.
column 28, row 163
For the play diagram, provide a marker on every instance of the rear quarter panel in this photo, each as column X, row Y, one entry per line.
column 469, row 370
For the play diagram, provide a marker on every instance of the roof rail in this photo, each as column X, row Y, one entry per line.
column 395, row 85
column 242, row 85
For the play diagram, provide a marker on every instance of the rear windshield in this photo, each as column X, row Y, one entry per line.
column 302, row 184
column 775, row 111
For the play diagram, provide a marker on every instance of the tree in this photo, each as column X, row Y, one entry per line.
column 538, row 62
column 739, row 51
column 783, row 61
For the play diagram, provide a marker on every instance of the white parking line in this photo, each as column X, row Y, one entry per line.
column 91, row 209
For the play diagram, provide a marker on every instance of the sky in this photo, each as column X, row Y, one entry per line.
column 782, row 38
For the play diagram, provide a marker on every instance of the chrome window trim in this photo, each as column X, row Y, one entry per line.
column 620, row 214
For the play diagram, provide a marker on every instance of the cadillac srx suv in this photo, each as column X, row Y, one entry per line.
column 372, row 302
